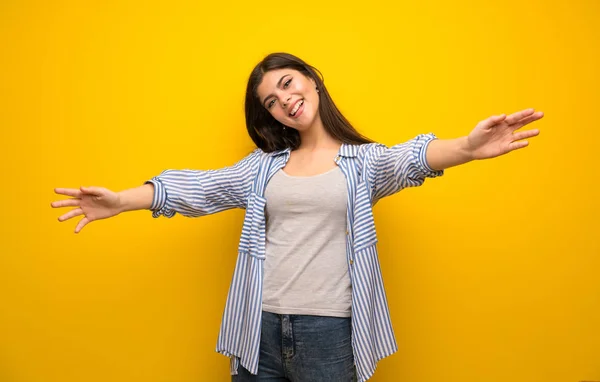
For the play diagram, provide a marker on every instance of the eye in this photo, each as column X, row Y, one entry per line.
column 270, row 104
column 287, row 83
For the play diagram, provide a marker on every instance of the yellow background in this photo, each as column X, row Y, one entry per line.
column 492, row 272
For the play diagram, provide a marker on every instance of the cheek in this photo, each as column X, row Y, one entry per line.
column 278, row 114
column 315, row 103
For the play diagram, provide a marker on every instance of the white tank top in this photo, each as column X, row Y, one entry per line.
column 305, row 266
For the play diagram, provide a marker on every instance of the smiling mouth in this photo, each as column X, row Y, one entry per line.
column 296, row 108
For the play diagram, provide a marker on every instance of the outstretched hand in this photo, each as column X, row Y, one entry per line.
column 498, row 135
column 94, row 203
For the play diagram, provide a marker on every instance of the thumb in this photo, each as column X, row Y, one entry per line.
column 491, row 121
column 96, row 191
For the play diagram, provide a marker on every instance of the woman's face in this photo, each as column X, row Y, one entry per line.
column 290, row 97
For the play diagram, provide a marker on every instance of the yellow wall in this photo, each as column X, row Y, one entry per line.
column 492, row 271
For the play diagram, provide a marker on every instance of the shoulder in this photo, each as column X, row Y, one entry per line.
column 250, row 162
column 262, row 154
column 367, row 151
column 258, row 158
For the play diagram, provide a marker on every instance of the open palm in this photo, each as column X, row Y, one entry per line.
column 498, row 135
column 94, row 203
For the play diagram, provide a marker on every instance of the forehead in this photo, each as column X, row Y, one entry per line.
column 270, row 79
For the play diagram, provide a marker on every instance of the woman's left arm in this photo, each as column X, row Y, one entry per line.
column 491, row 137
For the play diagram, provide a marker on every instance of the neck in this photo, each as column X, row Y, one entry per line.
column 316, row 137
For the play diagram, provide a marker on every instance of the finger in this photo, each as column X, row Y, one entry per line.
column 527, row 120
column 71, row 214
column 97, row 191
column 66, row 203
column 68, row 191
column 494, row 120
column 81, row 224
column 513, row 118
column 518, row 145
column 525, row 134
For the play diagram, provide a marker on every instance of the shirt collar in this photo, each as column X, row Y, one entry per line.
column 347, row 150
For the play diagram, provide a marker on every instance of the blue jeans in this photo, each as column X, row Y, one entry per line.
column 302, row 348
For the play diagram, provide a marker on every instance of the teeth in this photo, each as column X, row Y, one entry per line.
column 296, row 108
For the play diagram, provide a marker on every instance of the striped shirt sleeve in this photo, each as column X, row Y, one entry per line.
column 195, row 193
column 389, row 170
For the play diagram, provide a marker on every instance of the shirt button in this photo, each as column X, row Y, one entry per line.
column 346, row 232
column 351, row 261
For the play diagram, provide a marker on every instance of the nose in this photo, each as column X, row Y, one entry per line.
column 285, row 103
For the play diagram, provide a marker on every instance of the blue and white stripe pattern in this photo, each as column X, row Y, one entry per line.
column 372, row 171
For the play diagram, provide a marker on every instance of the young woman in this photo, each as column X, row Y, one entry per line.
column 307, row 301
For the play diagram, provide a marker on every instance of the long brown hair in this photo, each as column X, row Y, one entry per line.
column 268, row 133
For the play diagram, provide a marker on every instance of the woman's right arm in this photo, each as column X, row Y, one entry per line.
column 188, row 192
column 96, row 203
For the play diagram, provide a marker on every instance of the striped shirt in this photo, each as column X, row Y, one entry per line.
column 372, row 171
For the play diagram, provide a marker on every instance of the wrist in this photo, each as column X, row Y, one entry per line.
column 139, row 198
column 466, row 149
column 121, row 203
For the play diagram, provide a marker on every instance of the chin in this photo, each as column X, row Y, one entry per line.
column 304, row 123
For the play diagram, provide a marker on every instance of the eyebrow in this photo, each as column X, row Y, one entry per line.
column 278, row 85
